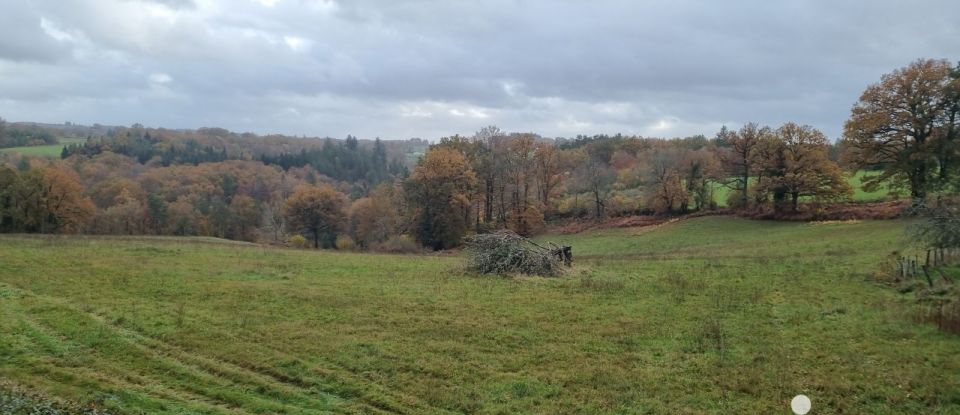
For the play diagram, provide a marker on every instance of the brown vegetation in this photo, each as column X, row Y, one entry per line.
column 212, row 182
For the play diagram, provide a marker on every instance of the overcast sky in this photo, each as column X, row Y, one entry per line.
column 401, row 69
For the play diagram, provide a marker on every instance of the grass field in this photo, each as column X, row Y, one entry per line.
column 710, row 315
column 884, row 192
column 52, row 150
column 722, row 193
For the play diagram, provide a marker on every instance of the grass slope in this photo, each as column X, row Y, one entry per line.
column 52, row 150
column 721, row 193
column 707, row 315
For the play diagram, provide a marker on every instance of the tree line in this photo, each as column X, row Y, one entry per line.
column 18, row 136
column 348, row 194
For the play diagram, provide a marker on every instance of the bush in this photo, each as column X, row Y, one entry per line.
column 528, row 223
column 505, row 252
column 940, row 228
column 398, row 245
column 298, row 241
column 573, row 206
column 735, row 199
column 345, row 243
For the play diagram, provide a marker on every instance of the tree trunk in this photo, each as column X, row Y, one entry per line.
column 477, row 224
column 503, row 204
column 599, row 204
column 918, row 191
column 746, row 184
column 488, row 202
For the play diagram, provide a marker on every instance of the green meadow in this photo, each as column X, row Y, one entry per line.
column 722, row 193
column 709, row 315
column 51, row 150
column 884, row 192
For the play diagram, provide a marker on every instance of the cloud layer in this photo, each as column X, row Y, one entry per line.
column 425, row 68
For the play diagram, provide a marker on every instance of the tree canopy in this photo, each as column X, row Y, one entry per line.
column 907, row 125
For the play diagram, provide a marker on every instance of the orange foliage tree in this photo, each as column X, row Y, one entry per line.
column 439, row 194
column 908, row 125
column 318, row 212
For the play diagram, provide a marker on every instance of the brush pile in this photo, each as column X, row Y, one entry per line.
column 505, row 252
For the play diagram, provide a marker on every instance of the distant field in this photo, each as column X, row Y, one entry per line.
column 52, row 150
column 883, row 193
column 722, row 193
column 714, row 314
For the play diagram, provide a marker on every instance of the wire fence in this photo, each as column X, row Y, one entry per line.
column 927, row 264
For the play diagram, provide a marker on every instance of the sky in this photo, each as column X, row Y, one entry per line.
column 422, row 68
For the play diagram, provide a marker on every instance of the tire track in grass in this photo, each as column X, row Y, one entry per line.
column 266, row 377
column 102, row 368
column 354, row 391
column 351, row 390
column 370, row 402
column 196, row 382
column 85, row 377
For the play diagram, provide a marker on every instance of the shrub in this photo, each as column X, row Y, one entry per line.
column 735, row 199
column 398, row 245
column 620, row 204
column 298, row 241
column 345, row 243
column 941, row 225
column 505, row 252
column 528, row 223
column 573, row 206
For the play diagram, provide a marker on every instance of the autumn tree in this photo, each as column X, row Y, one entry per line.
column 105, row 188
column 797, row 164
column 184, row 219
column 9, row 181
column 156, row 213
column 488, row 164
column 526, row 215
column 907, row 124
column 664, row 180
column 948, row 144
column 318, row 212
column 245, row 215
column 439, row 195
column 62, row 206
column 124, row 216
column 549, row 173
column 476, row 153
column 700, row 170
column 375, row 218
column 739, row 157
column 596, row 177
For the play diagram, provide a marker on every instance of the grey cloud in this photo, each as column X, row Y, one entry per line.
column 23, row 38
column 179, row 4
column 430, row 68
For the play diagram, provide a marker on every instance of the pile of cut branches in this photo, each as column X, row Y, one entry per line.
column 505, row 252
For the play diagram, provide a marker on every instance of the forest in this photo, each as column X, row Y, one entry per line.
column 398, row 196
